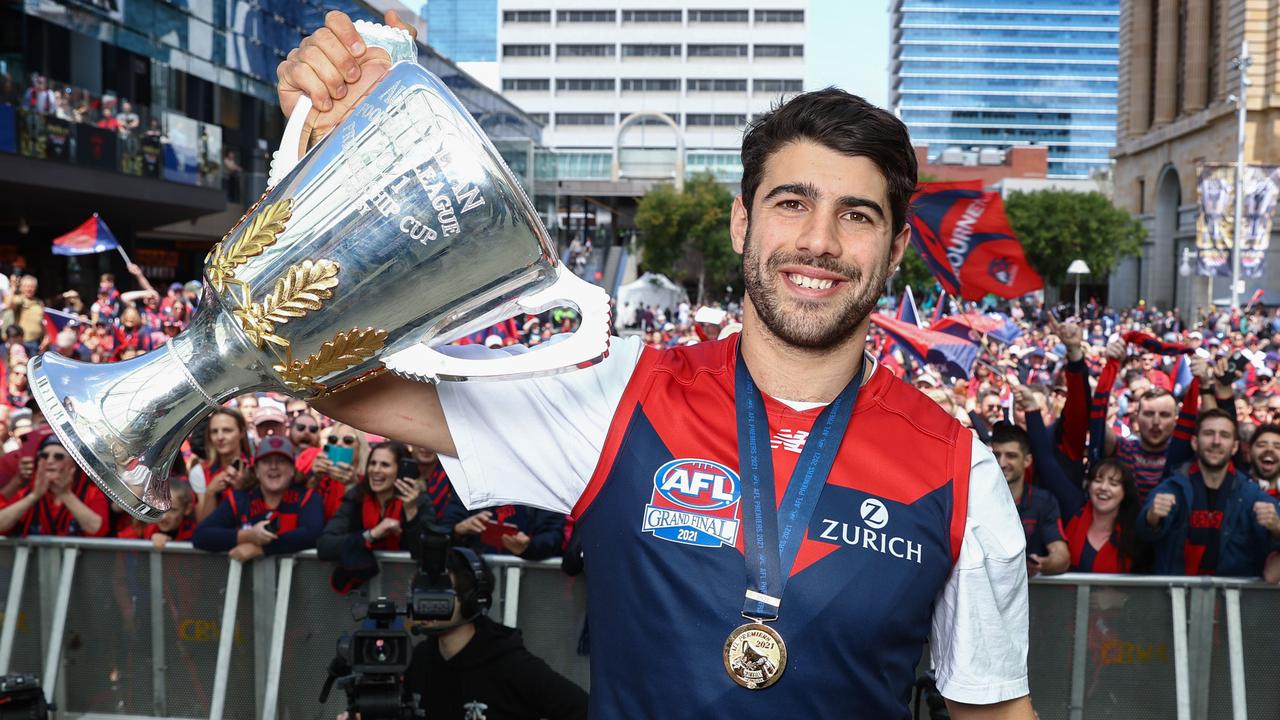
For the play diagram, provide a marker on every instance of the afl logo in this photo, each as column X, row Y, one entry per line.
column 697, row 484
column 874, row 513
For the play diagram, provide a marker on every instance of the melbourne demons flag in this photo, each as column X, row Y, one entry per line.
column 93, row 236
column 965, row 239
column 955, row 355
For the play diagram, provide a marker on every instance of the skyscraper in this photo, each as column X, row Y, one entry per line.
column 582, row 70
column 995, row 73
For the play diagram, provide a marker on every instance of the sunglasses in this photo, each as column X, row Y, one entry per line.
column 297, row 412
column 303, row 427
column 346, row 439
column 56, row 456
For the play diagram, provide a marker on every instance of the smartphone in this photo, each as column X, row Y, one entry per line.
column 493, row 532
column 340, row 453
column 273, row 523
column 408, row 469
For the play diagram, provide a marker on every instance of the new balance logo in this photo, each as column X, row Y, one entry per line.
column 792, row 440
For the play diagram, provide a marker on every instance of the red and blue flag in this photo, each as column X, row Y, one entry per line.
column 973, row 325
column 955, row 355
column 93, row 236
column 964, row 237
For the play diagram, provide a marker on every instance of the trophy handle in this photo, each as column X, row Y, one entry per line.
column 588, row 345
column 398, row 43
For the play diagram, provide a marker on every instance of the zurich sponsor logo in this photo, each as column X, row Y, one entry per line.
column 694, row 502
column 697, row 484
column 874, row 513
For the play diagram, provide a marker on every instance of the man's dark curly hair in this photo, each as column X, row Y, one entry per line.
column 844, row 123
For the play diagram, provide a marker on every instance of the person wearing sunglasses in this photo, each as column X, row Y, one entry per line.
column 333, row 472
column 59, row 501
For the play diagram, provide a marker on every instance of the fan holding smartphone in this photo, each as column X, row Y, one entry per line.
column 521, row 530
column 337, row 468
column 381, row 512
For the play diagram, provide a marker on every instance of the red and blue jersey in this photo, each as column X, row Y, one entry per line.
column 660, row 524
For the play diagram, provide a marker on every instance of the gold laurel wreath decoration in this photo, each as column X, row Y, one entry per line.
column 261, row 233
column 303, row 288
column 344, row 351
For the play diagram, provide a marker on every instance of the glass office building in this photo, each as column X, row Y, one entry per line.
column 995, row 73
column 463, row 30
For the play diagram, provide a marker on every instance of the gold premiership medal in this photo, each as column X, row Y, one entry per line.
column 755, row 656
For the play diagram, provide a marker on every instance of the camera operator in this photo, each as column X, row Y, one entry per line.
column 382, row 512
column 472, row 668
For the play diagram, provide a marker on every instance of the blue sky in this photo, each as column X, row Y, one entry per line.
column 849, row 47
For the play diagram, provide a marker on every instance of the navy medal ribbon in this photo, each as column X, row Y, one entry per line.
column 771, row 540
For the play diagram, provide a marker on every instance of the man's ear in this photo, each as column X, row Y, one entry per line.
column 898, row 247
column 738, row 224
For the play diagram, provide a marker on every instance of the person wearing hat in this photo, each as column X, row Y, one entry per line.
column 268, row 421
column 382, row 512
column 276, row 516
column 59, row 501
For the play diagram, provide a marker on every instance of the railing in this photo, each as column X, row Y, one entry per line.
column 118, row 630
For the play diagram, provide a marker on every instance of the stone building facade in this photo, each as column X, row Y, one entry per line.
column 1175, row 112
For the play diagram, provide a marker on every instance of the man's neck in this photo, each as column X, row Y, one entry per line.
column 451, row 642
column 1017, row 488
column 792, row 373
column 1213, row 479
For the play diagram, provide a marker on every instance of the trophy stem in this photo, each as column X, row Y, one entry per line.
column 125, row 422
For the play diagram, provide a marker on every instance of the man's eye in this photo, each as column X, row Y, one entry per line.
column 791, row 204
column 857, row 217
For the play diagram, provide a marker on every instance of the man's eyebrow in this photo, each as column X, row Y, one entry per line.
column 803, row 189
column 853, row 201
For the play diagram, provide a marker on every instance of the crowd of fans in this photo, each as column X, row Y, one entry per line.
column 1132, row 440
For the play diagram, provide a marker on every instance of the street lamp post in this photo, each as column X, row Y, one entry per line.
column 1242, row 63
column 1078, row 267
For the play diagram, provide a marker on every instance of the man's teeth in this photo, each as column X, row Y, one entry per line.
column 805, row 281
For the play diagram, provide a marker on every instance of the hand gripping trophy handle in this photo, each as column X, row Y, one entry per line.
column 402, row 227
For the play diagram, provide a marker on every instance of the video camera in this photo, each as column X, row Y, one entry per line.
column 371, row 662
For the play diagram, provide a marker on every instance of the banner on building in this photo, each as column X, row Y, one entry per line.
column 182, row 152
column 964, row 237
column 96, row 147
column 1215, row 221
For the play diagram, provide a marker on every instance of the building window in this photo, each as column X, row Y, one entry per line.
column 650, row 120
column 779, row 51
column 716, row 120
column 540, row 118
column 766, row 85
column 584, row 118
column 585, row 50
column 526, row 51
column 717, row 16
column 717, row 50
column 1142, row 195
column 650, row 85
column 651, row 16
column 585, row 84
column 650, row 51
column 779, row 16
column 715, row 85
column 526, row 16
column 533, row 84
column 586, row 16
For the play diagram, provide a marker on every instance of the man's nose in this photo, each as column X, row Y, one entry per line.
column 820, row 236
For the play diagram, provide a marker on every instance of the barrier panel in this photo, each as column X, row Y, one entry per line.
column 118, row 630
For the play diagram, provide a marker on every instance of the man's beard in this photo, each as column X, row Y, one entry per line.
column 808, row 326
column 1206, row 464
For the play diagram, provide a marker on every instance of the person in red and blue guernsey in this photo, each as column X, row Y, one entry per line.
column 279, row 515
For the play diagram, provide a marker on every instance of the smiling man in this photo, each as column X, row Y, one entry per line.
column 801, row 580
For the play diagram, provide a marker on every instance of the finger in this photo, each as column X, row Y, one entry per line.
column 392, row 18
column 338, row 53
column 301, row 76
column 324, row 68
column 341, row 26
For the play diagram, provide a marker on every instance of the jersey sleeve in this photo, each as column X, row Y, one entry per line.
column 196, row 479
column 979, row 636
column 534, row 441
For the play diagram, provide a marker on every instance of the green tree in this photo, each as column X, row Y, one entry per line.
column 685, row 235
column 1058, row 226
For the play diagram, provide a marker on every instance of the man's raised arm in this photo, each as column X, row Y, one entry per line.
column 396, row 408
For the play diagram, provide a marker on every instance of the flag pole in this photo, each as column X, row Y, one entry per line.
column 125, row 255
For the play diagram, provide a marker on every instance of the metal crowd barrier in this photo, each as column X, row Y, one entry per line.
column 118, row 630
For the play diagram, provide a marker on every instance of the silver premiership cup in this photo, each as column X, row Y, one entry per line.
column 402, row 229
